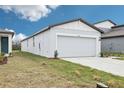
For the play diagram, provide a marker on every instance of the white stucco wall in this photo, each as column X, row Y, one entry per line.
column 47, row 39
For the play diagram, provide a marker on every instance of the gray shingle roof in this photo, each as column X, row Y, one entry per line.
column 115, row 32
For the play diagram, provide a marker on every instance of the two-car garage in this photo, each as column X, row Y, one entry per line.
column 75, row 38
column 76, row 46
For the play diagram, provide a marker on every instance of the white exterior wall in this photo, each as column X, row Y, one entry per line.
column 74, row 28
column 10, row 43
column 24, row 45
column 48, row 39
column 43, row 39
column 105, row 24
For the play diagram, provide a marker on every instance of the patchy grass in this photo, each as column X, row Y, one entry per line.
column 28, row 70
column 107, row 54
column 121, row 58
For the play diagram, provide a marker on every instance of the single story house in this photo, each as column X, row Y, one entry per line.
column 113, row 36
column 6, row 41
column 74, row 38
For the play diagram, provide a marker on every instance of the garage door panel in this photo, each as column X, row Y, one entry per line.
column 68, row 46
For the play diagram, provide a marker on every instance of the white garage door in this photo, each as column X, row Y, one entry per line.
column 68, row 46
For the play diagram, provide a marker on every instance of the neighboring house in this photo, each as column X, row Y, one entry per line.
column 6, row 41
column 75, row 38
column 113, row 41
column 113, row 37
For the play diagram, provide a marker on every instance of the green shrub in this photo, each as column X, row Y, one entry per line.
column 16, row 47
column 105, row 54
column 55, row 54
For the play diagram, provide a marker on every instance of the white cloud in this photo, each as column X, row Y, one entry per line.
column 17, row 38
column 53, row 6
column 11, row 30
column 30, row 12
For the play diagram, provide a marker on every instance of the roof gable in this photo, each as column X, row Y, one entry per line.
column 51, row 26
column 78, row 20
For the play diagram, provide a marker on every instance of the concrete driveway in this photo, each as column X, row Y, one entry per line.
column 110, row 65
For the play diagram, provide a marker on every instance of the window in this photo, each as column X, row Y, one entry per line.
column 39, row 47
column 27, row 43
column 33, row 42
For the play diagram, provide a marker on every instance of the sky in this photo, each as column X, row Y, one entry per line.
column 26, row 20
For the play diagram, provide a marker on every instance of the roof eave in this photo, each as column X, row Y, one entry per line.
column 36, row 34
column 8, row 33
column 112, row 36
column 104, row 21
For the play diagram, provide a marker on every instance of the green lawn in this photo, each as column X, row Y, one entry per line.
column 28, row 70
